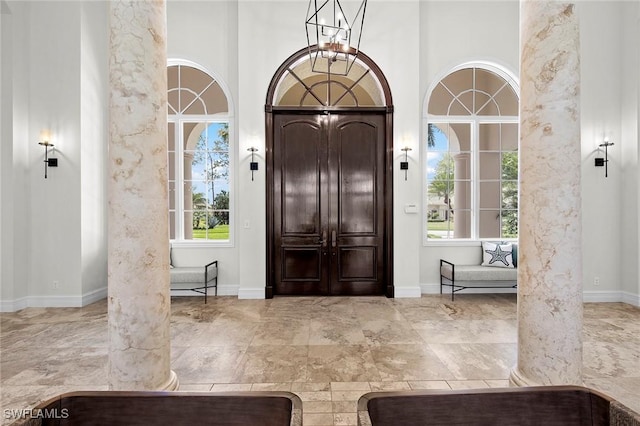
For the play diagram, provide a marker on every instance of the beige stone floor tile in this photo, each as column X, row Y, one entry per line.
column 335, row 332
column 310, row 387
column 389, row 386
column 317, row 407
column 387, row 332
column 317, row 419
column 409, row 363
column 497, row 383
column 345, row 419
column 273, row 363
column 349, row 386
column 328, row 350
column 215, row 364
column 347, row 395
column 344, row 406
column 467, row 384
column 606, row 359
column 477, row 361
column 282, row 387
column 468, row 331
column 429, row 385
column 284, row 332
column 231, row 387
column 330, row 363
column 314, row 395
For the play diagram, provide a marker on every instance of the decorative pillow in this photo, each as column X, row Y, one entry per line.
column 497, row 254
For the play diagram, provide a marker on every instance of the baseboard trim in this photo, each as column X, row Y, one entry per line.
column 430, row 288
column 435, row 289
column 602, row 296
column 259, row 293
column 14, row 305
column 400, row 292
column 94, row 296
column 588, row 296
column 631, row 299
column 251, row 293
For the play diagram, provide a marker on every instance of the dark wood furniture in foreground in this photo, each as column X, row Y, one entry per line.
column 532, row 406
column 111, row 408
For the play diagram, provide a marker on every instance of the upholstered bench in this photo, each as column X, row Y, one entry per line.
column 195, row 278
column 485, row 275
column 526, row 406
column 138, row 408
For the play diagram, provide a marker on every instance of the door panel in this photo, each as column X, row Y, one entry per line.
column 356, row 159
column 300, row 158
column 329, row 211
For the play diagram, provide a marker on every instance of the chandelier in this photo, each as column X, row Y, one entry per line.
column 333, row 35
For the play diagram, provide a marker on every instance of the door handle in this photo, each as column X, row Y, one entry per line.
column 333, row 238
column 323, row 241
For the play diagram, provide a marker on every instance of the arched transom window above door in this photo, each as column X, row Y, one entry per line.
column 299, row 86
column 471, row 166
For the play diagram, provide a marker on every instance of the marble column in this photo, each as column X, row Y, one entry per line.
column 550, row 247
column 138, row 296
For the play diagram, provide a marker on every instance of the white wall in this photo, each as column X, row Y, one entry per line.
column 601, row 89
column 397, row 51
column 6, row 154
column 54, row 76
column 54, row 105
column 93, row 148
column 15, row 199
column 630, row 154
column 58, row 66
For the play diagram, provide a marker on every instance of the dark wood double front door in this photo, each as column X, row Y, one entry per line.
column 329, row 211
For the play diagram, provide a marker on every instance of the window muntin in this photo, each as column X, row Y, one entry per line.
column 200, row 190
column 471, row 165
column 301, row 87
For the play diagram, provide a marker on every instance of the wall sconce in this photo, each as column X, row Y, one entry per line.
column 604, row 161
column 253, row 165
column 48, row 162
column 404, row 165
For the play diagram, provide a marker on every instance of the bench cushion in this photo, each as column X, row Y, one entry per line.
column 185, row 274
column 479, row 273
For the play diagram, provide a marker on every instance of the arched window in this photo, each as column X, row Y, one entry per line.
column 299, row 86
column 471, row 166
column 199, row 156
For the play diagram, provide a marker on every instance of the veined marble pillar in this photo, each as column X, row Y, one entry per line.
column 550, row 249
column 139, row 298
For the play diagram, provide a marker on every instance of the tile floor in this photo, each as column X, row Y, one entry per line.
column 327, row 350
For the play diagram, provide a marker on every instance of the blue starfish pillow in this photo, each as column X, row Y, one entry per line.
column 497, row 254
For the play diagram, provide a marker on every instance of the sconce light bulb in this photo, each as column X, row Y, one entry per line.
column 606, row 139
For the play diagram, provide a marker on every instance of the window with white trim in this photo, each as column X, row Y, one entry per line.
column 199, row 157
column 471, row 161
